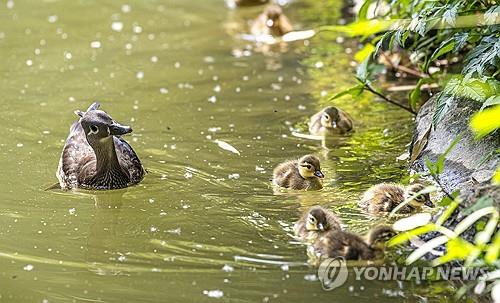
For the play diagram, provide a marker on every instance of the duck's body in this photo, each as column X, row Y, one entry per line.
column 302, row 174
column 271, row 22
column 337, row 243
column 385, row 197
column 109, row 163
column 330, row 121
column 315, row 222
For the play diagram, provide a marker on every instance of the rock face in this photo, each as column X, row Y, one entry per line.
column 468, row 167
column 472, row 163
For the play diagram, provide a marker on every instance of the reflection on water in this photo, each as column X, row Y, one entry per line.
column 205, row 221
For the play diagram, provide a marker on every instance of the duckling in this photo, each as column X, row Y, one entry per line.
column 330, row 121
column 337, row 243
column 271, row 22
column 95, row 156
column 302, row 174
column 315, row 221
column 385, row 197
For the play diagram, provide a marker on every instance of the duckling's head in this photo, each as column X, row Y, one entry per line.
column 380, row 234
column 273, row 14
column 317, row 219
column 330, row 117
column 99, row 126
column 309, row 167
column 420, row 200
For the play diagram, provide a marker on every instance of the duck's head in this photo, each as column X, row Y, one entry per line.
column 273, row 14
column 316, row 219
column 419, row 200
column 330, row 117
column 309, row 167
column 99, row 126
column 380, row 234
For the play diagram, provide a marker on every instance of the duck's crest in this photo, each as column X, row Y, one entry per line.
column 93, row 106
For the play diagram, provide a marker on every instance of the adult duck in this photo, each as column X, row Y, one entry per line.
column 95, row 156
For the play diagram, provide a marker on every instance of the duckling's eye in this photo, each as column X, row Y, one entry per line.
column 326, row 117
column 308, row 166
column 419, row 198
column 94, row 129
column 312, row 219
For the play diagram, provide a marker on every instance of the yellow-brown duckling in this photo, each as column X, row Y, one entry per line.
column 330, row 121
column 302, row 174
column 385, row 197
column 337, row 243
column 271, row 22
column 314, row 222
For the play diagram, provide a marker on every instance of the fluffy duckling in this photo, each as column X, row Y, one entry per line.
column 315, row 221
column 95, row 156
column 302, row 174
column 330, row 121
column 271, row 22
column 337, row 243
column 385, row 197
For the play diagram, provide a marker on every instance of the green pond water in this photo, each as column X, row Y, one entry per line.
column 205, row 222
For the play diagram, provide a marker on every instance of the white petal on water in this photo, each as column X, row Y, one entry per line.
column 72, row 211
column 412, row 222
column 117, row 26
column 298, row 35
column 216, row 293
column 311, row 277
column 95, row 44
column 228, row 268
column 226, row 146
column 28, row 267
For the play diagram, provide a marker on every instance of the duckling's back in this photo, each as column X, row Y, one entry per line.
column 337, row 243
column 287, row 175
column 382, row 198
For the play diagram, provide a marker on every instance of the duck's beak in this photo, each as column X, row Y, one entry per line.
column 270, row 22
column 117, row 129
column 334, row 124
column 319, row 174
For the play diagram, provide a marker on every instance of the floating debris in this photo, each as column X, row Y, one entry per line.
column 95, row 44
column 214, row 293
column 117, row 26
column 227, row 146
column 28, row 267
column 227, row 268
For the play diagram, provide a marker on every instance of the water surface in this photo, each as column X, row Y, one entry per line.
column 205, row 221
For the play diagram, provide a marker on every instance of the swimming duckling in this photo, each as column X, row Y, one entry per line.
column 385, row 197
column 337, row 243
column 315, row 221
column 95, row 156
column 330, row 121
column 271, row 22
column 302, row 174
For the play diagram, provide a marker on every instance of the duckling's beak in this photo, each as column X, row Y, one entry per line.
column 270, row 22
column 321, row 227
column 117, row 129
column 334, row 124
column 429, row 203
column 319, row 174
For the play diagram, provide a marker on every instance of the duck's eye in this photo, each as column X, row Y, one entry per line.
column 326, row 117
column 308, row 166
column 419, row 198
column 94, row 129
column 312, row 219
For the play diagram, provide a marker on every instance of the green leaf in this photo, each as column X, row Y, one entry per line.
column 362, row 71
column 456, row 249
column 485, row 122
column 406, row 236
column 445, row 47
column 353, row 91
column 363, row 11
column 493, row 100
column 493, row 250
column 443, row 104
column 364, row 53
column 482, row 202
column 445, row 201
column 440, row 161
